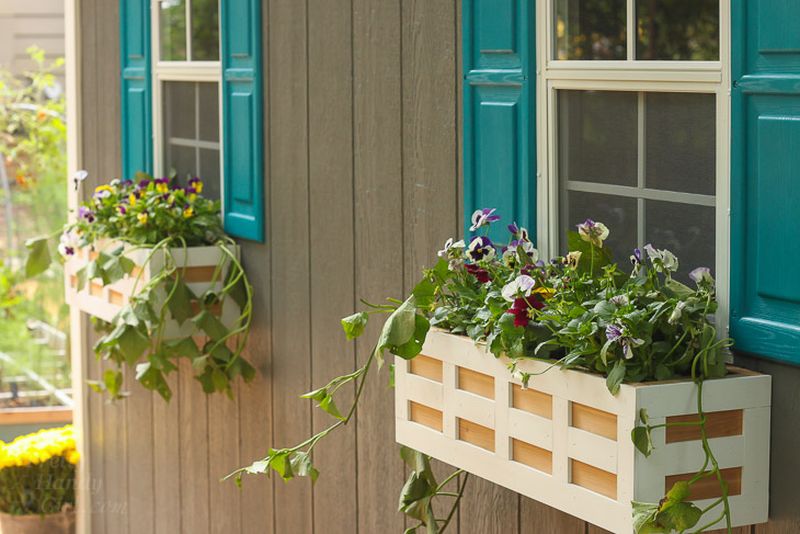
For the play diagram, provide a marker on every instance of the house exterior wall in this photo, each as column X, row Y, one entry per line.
column 26, row 23
column 362, row 179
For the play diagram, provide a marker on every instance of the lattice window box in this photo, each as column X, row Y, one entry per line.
column 565, row 440
column 105, row 301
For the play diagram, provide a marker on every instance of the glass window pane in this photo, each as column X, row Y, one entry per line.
column 180, row 160
column 681, row 142
column 598, row 137
column 210, row 172
column 688, row 231
column 677, row 30
column 173, row 30
column 205, row 30
column 618, row 213
column 179, row 110
column 591, row 29
column 209, row 114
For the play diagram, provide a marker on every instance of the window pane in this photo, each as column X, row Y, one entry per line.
column 205, row 30
column 687, row 231
column 678, row 29
column 179, row 110
column 681, row 142
column 209, row 115
column 590, row 29
column 191, row 133
column 598, row 137
column 618, row 213
column 210, row 172
column 173, row 30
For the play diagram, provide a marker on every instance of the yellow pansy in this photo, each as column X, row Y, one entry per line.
column 142, row 218
column 188, row 212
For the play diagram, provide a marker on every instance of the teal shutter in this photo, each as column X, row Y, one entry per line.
column 243, row 139
column 765, row 179
column 499, row 111
column 137, row 126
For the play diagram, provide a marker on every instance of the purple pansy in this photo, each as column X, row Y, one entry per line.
column 480, row 249
column 616, row 333
column 483, row 217
column 701, row 275
column 86, row 214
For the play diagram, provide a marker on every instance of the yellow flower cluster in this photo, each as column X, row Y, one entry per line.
column 39, row 447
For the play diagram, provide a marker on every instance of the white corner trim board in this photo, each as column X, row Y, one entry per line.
column 565, row 440
column 199, row 266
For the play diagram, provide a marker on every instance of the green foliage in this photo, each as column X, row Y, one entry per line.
column 160, row 217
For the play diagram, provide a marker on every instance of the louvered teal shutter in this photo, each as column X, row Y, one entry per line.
column 137, row 126
column 243, row 146
column 765, row 187
column 499, row 110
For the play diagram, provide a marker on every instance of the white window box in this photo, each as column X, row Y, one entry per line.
column 566, row 441
column 198, row 265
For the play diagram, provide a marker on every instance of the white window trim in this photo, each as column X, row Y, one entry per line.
column 712, row 77
column 179, row 71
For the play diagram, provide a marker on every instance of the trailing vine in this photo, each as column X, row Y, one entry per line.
column 165, row 219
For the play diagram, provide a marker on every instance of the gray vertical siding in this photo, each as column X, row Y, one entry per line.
column 363, row 184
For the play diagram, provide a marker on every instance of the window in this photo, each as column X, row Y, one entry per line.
column 633, row 114
column 186, row 91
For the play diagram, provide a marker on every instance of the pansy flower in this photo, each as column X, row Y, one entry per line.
column 481, row 249
column 188, row 211
column 86, row 214
column 142, row 218
column 521, row 286
column 103, row 191
column 453, row 251
column 143, row 184
column 663, row 260
column 68, row 243
column 196, row 184
column 573, row 258
column 481, row 275
column 79, row 177
column 702, row 275
column 483, row 217
column 616, row 333
column 162, row 185
column 122, row 210
column 593, row 232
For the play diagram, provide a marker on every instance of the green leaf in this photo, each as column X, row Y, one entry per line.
column 132, row 344
column 208, row 323
column 355, row 324
column 38, row 257
column 302, row 466
column 281, row 463
column 425, row 293
column 329, row 406
column 680, row 516
column 677, row 289
column 180, row 304
column 679, row 491
column 643, row 514
column 413, row 347
column 238, row 293
column 398, row 328
column 642, row 439
column 615, row 377
column 219, row 380
column 182, row 348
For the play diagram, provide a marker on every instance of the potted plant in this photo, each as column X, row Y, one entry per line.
column 37, row 483
column 149, row 258
column 574, row 381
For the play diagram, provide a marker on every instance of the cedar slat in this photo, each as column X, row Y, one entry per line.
column 594, row 421
column 594, row 479
column 708, row 487
column 427, row 367
column 718, row 425
column 476, row 434
column 532, row 456
column 425, row 415
column 532, row 401
column 475, row 382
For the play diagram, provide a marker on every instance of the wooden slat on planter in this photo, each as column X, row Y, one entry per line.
column 427, row 367
column 425, row 415
column 532, row 401
column 475, row 382
column 532, row 456
column 594, row 479
column 594, row 421
column 476, row 434
column 718, row 425
column 708, row 487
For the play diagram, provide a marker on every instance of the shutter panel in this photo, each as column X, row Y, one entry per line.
column 765, row 179
column 137, row 126
column 243, row 145
column 499, row 111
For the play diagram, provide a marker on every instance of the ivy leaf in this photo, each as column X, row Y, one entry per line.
column 281, row 463
column 679, row 492
column 355, row 324
column 424, row 293
column 615, row 377
column 183, row 348
column 680, row 516
column 329, row 406
column 38, row 257
column 677, row 289
column 113, row 271
column 180, row 304
column 644, row 514
column 153, row 379
column 413, row 347
column 132, row 344
column 302, row 466
column 642, row 439
column 208, row 323
column 398, row 328
column 237, row 293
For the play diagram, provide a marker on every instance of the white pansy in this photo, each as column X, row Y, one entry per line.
column 522, row 286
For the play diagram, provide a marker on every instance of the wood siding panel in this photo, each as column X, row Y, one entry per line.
column 363, row 184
